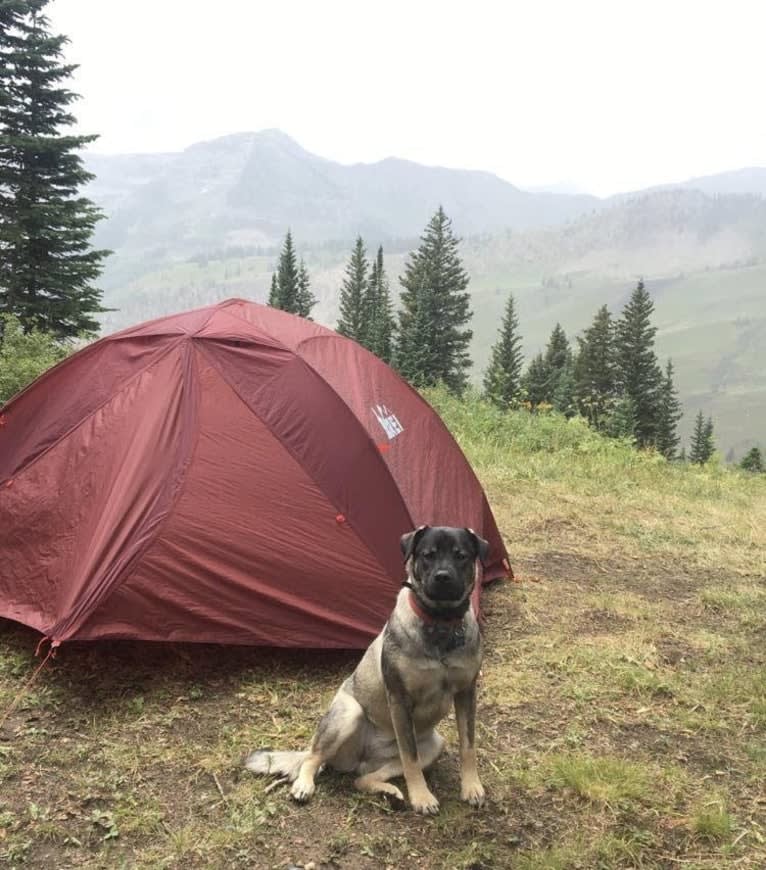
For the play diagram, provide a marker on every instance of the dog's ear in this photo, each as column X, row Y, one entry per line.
column 409, row 541
column 481, row 546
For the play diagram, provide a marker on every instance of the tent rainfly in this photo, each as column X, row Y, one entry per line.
column 232, row 474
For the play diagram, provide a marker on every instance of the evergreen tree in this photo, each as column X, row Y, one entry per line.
column 550, row 379
column 620, row 420
column 639, row 375
column 666, row 438
column 753, row 461
column 564, row 389
column 47, row 264
column 354, row 320
column 434, row 287
column 502, row 380
column 416, row 348
column 559, row 365
column 378, row 312
column 697, row 447
column 558, row 354
column 290, row 286
column 305, row 299
column 274, row 292
column 709, row 439
column 703, row 445
column 286, row 295
column 535, row 382
column 595, row 375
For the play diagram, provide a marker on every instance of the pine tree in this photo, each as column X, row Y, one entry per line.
column 416, row 348
column 502, row 380
column 703, row 445
column 558, row 353
column 535, row 382
column 709, row 439
column 378, row 312
column 354, row 293
column 274, row 292
column 564, row 390
column 620, row 420
column 550, row 378
column 639, row 375
column 47, row 264
column 286, row 295
column 753, row 461
column 697, row 447
column 595, row 375
column 434, row 287
column 666, row 438
column 305, row 299
column 290, row 285
column 559, row 364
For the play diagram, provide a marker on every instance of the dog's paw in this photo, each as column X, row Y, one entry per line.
column 425, row 804
column 392, row 794
column 301, row 790
column 473, row 793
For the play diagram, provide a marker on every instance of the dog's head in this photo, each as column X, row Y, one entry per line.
column 441, row 564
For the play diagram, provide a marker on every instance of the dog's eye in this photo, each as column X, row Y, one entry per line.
column 459, row 554
column 428, row 555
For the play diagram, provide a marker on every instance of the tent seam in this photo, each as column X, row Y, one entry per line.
column 292, row 454
column 183, row 477
column 412, row 389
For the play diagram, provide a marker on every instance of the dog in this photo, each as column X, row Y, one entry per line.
column 381, row 723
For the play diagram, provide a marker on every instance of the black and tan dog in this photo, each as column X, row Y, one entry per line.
column 381, row 723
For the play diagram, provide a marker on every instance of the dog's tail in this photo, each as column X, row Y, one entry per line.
column 268, row 763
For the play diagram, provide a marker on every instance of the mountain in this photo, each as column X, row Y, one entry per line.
column 738, row 181
column 246, row 189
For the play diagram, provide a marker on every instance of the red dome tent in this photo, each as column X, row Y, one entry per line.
column 233, row 474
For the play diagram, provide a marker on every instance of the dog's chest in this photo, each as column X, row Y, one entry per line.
column 444, row 638
column 437, row 681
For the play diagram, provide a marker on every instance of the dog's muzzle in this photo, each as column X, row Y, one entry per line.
column 444, row 586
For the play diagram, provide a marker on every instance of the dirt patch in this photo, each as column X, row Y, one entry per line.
column 130, row 754
column 673, row 650
column 603, row 622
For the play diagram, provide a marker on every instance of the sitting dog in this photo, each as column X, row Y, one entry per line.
column 381, row 723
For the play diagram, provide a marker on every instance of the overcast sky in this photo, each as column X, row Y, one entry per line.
column 609, row 96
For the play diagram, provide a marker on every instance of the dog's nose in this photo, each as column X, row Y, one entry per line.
column 442, row 576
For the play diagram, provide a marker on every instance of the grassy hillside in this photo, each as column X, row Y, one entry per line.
column 711, row 323
column 622, row 718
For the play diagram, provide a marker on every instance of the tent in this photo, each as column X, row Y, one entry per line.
column 232, row 474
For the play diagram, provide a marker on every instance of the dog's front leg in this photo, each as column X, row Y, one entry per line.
column 401, row 717
column 471, row 789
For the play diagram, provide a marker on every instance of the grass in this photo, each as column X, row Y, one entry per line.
column 602, row 780
column 622, row 717
column 711, row 821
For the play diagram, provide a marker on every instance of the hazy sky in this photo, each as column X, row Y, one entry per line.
column 606, row 95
